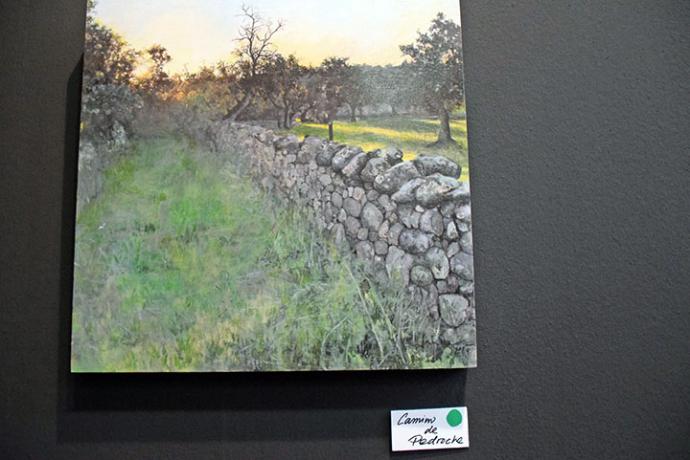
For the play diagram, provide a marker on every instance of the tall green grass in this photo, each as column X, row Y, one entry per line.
column 182, row 265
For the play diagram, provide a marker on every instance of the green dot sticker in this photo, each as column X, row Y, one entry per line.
column 454, row 417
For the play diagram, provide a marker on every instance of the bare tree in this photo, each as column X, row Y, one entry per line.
column 254, row 52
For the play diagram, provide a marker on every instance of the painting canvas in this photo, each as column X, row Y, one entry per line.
column 273, row 186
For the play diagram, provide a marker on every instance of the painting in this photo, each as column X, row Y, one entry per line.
column 273, row 186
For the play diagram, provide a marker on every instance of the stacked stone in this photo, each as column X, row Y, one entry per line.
column 410, row 221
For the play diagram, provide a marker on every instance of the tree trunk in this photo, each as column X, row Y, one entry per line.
column 444, row 136
column 353, row 114
column 330, row 130
column 239, row 107
column 287, row 121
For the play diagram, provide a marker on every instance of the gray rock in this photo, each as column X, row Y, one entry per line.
column 460, row 194
column 421, row 276
column 447, row 209
column 452, row 231
column 414, row 241
column 310, row 148
column 392, row 155
column 338, row 235
column 438, row 263
column 373, row 168
column 359, row 194
column 406, row 192
column 394, row 233
column 465, row 334
column 381, row 248
column 453, row 248
column 372, row 195
column 372, row 217
column 453, row 309
column 362, row 234
column 466, row 242
column 409, row 217
column 464, row 212
column 355, row 165
column 383, row 230
column 325, row 156
column 342, row 215
column 463, row 227
column 364, row 250
column 352, row 227
column 289, row 143
column 337, row 200
column 385, row 202
column 461, row 265
column 325, row 179
column 436, row 189
column 398, row 264
column 391, row 180
column 428, row 165
column 431, row 222
column 352, row 206
column 342, row 157
column 465, row 286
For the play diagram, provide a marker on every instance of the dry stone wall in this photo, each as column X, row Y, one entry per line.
column 409, row 221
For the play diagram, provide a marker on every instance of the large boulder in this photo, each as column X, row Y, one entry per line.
column 392, row 155
column 372, row 217
column 310, row 148
column 438, row 263
column 435, row 189
column 406, row 193
column 355, row 165
column 373, row 168
column 391, row 180
column 462, row 265
column 414, row 241
column 421, row 276
column 428, row 165
column 289, row 144
column 431, row 222
column 398, row 265
column 454, row 309
column 343, row 156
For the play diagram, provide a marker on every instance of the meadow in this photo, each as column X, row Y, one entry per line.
column 412, row 135
column 181, row 265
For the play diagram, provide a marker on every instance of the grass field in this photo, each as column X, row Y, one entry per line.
column 411, row 135
column 182, row 265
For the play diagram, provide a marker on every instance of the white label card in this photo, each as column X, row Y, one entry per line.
column 427, row 429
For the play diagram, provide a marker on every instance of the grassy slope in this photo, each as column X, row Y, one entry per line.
column 181, row 265
column 411, row 135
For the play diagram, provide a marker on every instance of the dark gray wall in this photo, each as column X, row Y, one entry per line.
column 579, row 136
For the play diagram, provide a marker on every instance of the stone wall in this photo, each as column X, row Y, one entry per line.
column 409, row 221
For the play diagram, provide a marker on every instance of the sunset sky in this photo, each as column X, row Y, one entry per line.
column 202, row 32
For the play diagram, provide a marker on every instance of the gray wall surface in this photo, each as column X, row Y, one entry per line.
column 579, row 122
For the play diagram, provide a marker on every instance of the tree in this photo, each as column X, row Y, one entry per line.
column 254, row 52
column 333, row 78
column 108, row 59
column 156, row 81
column 283, row 87
column 355, row 94
column 436, row 62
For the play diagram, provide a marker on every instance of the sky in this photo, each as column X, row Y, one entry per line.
column 202, row 32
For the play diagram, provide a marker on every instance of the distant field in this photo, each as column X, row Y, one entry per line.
column 411, row 135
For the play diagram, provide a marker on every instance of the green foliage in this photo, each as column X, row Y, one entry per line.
column 182, row 265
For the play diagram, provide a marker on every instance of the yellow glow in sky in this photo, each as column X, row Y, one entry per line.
column 202, row 32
